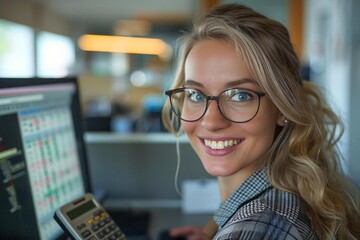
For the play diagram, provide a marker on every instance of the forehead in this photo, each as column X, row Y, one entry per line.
column 215, row 63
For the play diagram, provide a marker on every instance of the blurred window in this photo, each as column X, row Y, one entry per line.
column 16, row 50
column 55, row 55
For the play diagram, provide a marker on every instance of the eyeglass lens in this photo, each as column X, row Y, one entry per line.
column 237, row 105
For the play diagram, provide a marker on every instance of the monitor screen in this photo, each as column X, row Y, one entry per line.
column 42, row 155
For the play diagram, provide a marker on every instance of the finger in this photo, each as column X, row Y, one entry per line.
column 184, row 231
column 197, row 236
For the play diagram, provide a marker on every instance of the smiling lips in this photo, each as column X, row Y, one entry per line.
column 221, row 144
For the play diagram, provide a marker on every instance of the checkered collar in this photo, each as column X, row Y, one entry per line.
column 253, row 186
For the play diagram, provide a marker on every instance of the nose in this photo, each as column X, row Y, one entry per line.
column 213, row 118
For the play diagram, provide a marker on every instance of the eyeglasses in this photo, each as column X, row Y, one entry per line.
column 235, row 104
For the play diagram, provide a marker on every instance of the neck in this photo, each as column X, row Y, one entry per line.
column 229, row 184
column 227, row 187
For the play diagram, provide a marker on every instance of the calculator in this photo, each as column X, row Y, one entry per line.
column 85, row 218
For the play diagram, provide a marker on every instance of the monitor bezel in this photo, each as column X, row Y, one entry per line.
column 76, row 110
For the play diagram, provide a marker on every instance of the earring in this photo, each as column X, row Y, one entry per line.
column 285, row 121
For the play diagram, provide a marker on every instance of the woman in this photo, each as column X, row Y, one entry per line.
column 268, row 136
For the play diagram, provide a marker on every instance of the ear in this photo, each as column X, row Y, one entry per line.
column 281, row 120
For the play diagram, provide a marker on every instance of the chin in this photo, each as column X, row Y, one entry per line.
column 218, row 171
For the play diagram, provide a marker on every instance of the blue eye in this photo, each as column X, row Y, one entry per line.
column 195, row 96
column 239, row 95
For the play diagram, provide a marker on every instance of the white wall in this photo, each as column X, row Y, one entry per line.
column 333, row 53
column 354, row 113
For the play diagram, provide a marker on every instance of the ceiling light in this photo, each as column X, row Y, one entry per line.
column 120, row 44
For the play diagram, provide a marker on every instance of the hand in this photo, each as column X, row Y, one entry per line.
column 189, row 233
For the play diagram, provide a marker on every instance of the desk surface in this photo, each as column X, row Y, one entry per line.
column 164, row 214
column 164, row 219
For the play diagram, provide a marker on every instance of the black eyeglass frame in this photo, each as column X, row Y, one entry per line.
column 209, row 98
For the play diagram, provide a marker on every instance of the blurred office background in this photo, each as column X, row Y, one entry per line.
column 122, row 89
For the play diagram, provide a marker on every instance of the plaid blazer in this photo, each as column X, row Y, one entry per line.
column 259, row 211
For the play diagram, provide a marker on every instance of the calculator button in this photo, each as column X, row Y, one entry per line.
column 92, row 238
column 95, row 227
column 98, row 212
column 80, row 226
column 112, row 227
column 100, row 235
column 101, row 223
column 107, row 230
column 121, row 236
column 118, row 234
column 85, row 233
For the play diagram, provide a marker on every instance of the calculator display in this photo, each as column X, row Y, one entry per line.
column 81, row 210
column 86, row 219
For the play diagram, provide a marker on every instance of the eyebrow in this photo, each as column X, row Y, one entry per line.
column 228, row 85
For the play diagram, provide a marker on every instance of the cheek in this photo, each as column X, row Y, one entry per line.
column 259, row 135
column 264, row 124
column 264, row 133
column 188, row 127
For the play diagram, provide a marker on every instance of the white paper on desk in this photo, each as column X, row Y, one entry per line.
column 200, row 196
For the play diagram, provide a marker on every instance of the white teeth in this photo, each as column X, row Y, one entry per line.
column 220, row 144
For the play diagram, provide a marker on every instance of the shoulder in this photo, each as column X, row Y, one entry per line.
column 275, row 215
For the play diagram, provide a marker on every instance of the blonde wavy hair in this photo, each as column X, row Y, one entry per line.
column 304, row 157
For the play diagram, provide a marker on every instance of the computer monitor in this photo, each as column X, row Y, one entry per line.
column 42, row 155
